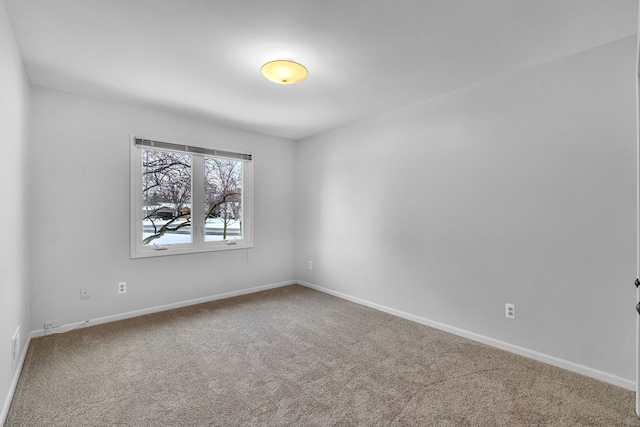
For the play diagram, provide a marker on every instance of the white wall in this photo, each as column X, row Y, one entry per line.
column 81, row 149
column 14, row 138
column 519, row 190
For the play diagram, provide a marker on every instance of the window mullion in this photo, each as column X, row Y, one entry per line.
column 197, row 199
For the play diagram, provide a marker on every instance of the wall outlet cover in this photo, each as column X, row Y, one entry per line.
column 15, row 348
column 510, row 311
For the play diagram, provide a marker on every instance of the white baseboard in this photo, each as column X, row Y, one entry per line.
column 541, row 357
column 142, row 312
column 14, row 382
column 532, row 354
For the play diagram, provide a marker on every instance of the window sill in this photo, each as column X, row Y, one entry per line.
column 147, row 252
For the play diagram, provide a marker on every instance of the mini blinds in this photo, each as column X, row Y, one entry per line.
column 160, row 145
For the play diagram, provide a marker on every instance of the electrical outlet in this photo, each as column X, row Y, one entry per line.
column 84, row 293
column 15, row 348
column 309, row 265
column 122, row 287
column 510, row 311
column 52, row 324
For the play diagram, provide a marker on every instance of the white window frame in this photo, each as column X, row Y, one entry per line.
column 198, row 243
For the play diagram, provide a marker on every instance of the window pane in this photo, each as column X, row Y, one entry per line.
column 222, row 199
column 166, row 193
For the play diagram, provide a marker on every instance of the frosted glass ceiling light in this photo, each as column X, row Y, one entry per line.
column 284, row 72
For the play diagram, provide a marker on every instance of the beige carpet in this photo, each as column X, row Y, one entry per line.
column 296, row 357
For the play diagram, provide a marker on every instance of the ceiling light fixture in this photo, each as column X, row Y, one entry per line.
column 284, row 72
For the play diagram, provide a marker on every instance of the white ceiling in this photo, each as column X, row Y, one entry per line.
column 202, row 57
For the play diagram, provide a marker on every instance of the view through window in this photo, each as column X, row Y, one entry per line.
column 188, row 200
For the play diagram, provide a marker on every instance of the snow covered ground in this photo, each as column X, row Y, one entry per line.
column 213, row 226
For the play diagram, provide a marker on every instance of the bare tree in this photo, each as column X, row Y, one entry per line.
column 223, row 191
column 166, row 179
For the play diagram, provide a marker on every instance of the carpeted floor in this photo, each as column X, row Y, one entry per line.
column 296, row 357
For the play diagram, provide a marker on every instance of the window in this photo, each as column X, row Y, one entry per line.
column 188, row 199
